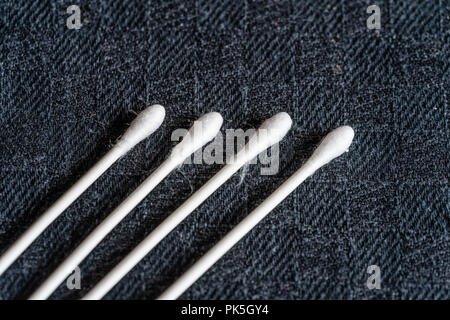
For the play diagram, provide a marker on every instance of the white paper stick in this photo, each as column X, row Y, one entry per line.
column 270, row 132
column 204, row 130
column 144, row 125
column 334, row 144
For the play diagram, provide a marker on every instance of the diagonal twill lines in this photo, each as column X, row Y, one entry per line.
column 172, row 55
column 228, row 15
column 267, row 57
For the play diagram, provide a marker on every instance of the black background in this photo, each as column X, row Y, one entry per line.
column 67, row 95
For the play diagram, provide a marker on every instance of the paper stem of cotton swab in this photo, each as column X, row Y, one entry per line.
column 334, row 144
column 204, row 130
column 270, row 132
column 144, row 125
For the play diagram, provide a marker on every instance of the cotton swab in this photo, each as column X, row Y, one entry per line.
column 333, row 145
column 203, row 131
column 144, row 125
column 270, row 133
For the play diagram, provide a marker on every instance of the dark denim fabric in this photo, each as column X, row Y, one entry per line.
column 67, row 95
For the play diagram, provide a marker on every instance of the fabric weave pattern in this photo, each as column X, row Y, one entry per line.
column 67, row 95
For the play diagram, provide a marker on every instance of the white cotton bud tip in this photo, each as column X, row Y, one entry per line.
column 144, row 125
column 269, row 133
column 276, row 127
column 332, row 146
column 204, row 130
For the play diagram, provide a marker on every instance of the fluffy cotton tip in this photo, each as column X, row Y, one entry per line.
column 275, row 128
column 144, row 125
column 210, row 125
column 269, row 133
column 332, row 146
column 204, row 130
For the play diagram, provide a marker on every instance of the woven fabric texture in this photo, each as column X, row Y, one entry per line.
column 67, row 95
